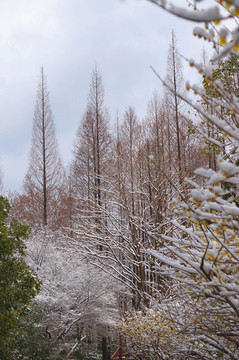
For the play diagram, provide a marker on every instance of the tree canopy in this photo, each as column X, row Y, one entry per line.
column 18, row 284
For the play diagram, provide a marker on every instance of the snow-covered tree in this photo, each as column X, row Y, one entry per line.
column 78, row 300
column 201, row 254
column 127, row 218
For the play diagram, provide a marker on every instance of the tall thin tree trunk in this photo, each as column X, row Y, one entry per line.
column 104, row 349
column 177, row 118
column 44, row 153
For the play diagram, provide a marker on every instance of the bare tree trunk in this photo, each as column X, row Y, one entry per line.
column 174, row 78
column 175, row 89
column 104, row 349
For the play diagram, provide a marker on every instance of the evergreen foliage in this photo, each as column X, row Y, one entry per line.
column 18, row 285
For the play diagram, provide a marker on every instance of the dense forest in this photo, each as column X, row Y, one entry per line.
column 134, row 246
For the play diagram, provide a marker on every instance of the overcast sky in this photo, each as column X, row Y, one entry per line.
column 68, row 37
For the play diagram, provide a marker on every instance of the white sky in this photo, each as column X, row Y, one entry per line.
column 68, row 37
